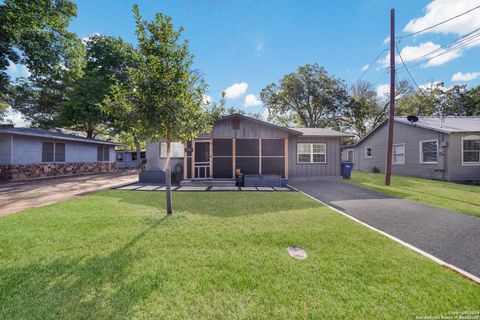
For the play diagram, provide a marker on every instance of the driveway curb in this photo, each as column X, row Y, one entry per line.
column 405, row 244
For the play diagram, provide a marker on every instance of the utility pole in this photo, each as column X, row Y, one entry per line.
column 388, row 170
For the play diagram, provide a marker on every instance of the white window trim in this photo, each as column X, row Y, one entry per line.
column 367, row 156
column 471, row 137
column 353, row 154
column 420, row 144
column 311, row 153
column 404, row 154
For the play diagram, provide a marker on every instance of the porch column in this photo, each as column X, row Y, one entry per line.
column 193, row 159
column 234, row 155
column 185, row 161
column 259, row 155
column 286, row 158
column 210, row 158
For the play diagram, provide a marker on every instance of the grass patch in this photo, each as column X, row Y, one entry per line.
column 454, row 196
column 115, row 255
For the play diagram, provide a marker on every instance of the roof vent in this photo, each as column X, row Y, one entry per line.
column 6, row 125
column 412, row 119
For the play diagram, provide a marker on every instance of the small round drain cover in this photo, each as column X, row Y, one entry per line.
column 297, row 253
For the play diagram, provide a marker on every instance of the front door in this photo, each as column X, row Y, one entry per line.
column 202, row 160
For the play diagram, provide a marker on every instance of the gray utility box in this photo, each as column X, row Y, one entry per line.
column 152, row 177
column 262, row 180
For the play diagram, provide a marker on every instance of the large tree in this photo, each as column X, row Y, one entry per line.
column 308, row 97
column 107, row 61
column 167, row 96
column 34, row 33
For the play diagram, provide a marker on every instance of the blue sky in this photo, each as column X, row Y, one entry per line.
column 254, row 43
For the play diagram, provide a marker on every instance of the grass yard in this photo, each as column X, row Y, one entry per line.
column 115, row 255
column 454, row 196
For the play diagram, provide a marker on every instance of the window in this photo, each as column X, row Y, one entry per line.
column 368, row 152
column 103, row 153
column 176, row 150
column 48, row 152
column 399, row 153
column 120, row 156
column 471, row 150
column 350, row 155
column 428, row 151
column 311, row 153
column 53, row 152
column 59, row 152
column 236, row 124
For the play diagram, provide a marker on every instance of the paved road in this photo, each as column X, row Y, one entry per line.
column 18, row 196
column 450, row 236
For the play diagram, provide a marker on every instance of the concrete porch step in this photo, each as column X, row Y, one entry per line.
column 208, row 183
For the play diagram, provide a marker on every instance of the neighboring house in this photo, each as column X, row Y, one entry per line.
column 447, row 149
column 27, row 153
column 127, row 159
column 239, row 144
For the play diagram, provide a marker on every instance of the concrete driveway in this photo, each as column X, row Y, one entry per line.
column 450, row 236
column 18, row 196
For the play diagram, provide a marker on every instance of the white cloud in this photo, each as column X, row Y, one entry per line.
column 87, row 38
column 265, row 114
column 383, row 90
column 207, row 99
column 424, row 51
column 365, row 67
column 251, row 100
column 259, row 48
column 440, row 10
column 16, row 118
column 431, row 85
column 469, row 76
column 236, row 90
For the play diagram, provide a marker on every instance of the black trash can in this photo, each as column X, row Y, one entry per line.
column 347, row 170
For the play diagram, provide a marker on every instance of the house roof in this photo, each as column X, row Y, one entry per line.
column 312, row 132
column 34, row 132
column 449, row 124
column 306, row 132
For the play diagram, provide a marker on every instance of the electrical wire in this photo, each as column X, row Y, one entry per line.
column 440, row 23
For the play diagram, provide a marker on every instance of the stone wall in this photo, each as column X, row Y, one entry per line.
column 18, row 172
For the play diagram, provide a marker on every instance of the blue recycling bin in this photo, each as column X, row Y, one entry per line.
column 347, row 170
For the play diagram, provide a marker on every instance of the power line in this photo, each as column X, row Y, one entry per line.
column 372, row 63
column 406, row 68
column 440, row 23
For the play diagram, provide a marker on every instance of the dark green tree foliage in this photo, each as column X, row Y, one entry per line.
column 34, row 33
column 308, row 97
column 107, row 61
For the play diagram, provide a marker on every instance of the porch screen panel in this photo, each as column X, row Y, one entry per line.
column 273, row 157
column 222, row 158
column 247, row 156
column 222, row 167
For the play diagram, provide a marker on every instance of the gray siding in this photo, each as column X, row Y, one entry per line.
column 5, row 148
column 248, row 129
column 154, row 161
column 456, row 170
column 315, row 170
column 29, row 150
column 409, row 135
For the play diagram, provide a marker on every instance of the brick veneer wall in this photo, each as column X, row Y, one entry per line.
column 18, row 172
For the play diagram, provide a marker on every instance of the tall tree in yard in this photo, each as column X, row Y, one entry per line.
column 107, row 61
column 166, row 96
column 308, row 97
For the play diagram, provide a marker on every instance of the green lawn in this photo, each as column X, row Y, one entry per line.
column 454, row 196
column 115, row 255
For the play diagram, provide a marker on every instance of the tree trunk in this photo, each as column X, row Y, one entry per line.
column 136, row 141
column 90, row 132
column 168, row 181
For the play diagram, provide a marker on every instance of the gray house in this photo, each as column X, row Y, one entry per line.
column 242, row 147
column 28, row 153
column 434, row 148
